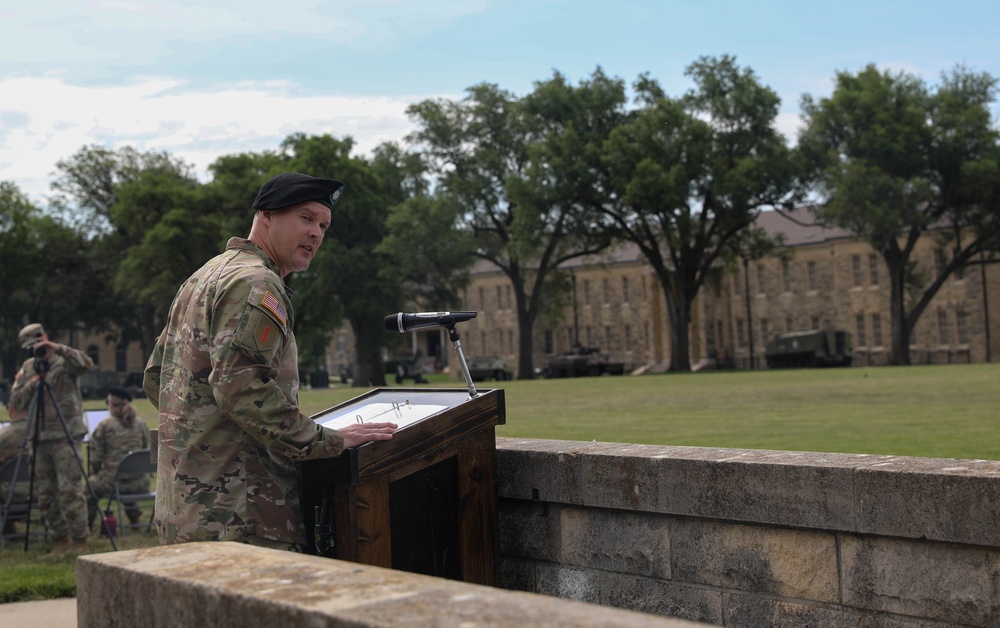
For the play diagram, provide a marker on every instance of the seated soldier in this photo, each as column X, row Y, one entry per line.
column 11, row 439
column 123, row 431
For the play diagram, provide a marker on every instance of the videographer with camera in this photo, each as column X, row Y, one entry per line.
column 59, row 476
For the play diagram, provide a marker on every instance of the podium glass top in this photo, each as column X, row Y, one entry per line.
column 404, row 407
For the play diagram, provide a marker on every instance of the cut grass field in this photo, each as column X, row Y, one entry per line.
column 930, row 411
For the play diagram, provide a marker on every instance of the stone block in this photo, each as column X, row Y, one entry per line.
column 231, row 585
column 749, row 611
column 542, row 470
column 570, row 583
column 941, row 581
column 754, row 559
column 934, row 498
column 662, row 597
column 615, row 540
column 529, row 530
column 814, row 490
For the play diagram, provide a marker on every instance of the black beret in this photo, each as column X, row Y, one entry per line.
column 292, row 188
column 121, row 393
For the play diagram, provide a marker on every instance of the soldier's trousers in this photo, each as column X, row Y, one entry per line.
column 61, row 495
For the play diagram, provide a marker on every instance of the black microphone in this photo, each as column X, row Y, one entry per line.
column 403, row 322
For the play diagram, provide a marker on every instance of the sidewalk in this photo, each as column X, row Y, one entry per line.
column 49, row 613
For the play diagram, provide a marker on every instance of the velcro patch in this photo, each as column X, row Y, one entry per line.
column 266, row 334
column 274, row 306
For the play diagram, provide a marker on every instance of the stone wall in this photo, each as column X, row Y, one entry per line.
column 753, row 538
column 233, row 585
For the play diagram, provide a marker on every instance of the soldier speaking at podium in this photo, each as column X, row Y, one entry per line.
column 224, row 376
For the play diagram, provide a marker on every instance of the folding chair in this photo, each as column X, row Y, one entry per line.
column 19, row 510
column 134, row 462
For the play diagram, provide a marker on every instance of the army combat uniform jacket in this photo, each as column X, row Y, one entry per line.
column 66, row 365
column 109, row 443
column 224, row 376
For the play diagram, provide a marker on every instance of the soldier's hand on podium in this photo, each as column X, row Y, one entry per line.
column 361, row 433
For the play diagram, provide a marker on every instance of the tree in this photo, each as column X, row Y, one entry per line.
column 690, row 174
column 164, row 231
column 349, row 278
column 505, row 162
column 45, row 274
column 896, row 161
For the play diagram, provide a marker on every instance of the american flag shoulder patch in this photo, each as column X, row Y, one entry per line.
column 274, row 305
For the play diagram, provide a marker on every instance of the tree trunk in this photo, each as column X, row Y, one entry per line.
column 900, row 355
column 368, row 368
column 525, row 353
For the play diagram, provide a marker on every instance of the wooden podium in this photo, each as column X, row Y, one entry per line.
column 424, row 501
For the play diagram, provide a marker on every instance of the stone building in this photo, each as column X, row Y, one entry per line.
column 830, row 280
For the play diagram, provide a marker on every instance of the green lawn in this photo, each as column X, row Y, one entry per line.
column 933, row 411
column 948, row 411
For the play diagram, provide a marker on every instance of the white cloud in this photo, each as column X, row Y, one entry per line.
column 43, row 120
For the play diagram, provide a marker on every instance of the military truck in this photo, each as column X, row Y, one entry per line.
column 583, row 361
column 804, row 349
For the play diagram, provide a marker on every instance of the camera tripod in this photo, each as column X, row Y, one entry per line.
column 35, row 423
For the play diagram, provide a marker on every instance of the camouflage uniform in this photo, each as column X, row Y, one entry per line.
column 224, row 376
column 111, row 441
column 60, row 492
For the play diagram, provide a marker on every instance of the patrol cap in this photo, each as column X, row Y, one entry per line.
column 30, row 334
column 291, row 188
column 121, row 393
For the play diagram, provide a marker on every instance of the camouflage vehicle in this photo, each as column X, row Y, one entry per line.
column 583, row 361
column 809, row 348
column 483, row 367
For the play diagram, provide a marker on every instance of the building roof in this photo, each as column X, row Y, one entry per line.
column 798, row 226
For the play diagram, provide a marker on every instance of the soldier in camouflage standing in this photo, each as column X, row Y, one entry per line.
column 224, row 377
column 114, row 437
column 57, row 468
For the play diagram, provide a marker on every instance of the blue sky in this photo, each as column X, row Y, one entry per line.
column 206, row 78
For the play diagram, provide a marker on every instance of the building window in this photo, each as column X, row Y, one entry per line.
column 510, row 301
column 121, row 364
column 761, row 276
column 811, row 275
column 786, row 277
column 877, row 329
column 510, row 342
column 962, row 326
column 872, row 269
column 607, row 339
column 764, row 331
column 94, row 354
column 550, row 341
column 645, row 333
column 628, row 338
column 737, row 285
column 710, row 337
column 482, row 299
column 482, row 340
column 590, row 337
column 856, row 271
column 815, row 322
column 859, row 330
column 624, row 289
column 789, row 324
column 944, row 333
column 586, row 292
column 606, row 289
column 499, row 305
column 741, row 336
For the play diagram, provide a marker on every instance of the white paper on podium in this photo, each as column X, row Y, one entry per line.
column 401, row 413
